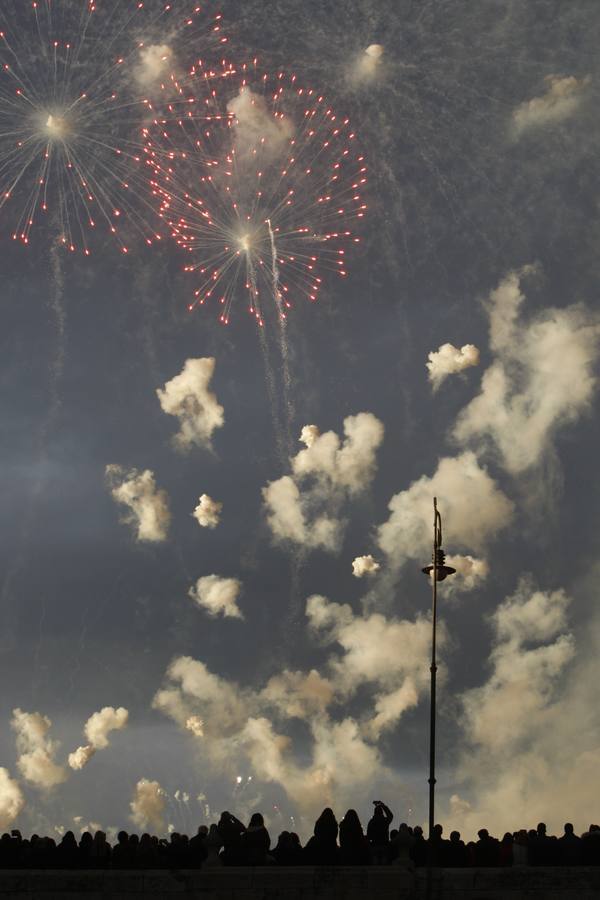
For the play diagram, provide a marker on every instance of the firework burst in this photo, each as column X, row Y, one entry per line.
column 73, row 76
column 260, row 181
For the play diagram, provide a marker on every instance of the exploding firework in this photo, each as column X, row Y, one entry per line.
column 261, row 182
column 73, row 75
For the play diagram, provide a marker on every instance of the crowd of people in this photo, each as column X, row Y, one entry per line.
column 231, row 843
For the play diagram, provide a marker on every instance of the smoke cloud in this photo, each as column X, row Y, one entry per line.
column 188, row 398
column 562, row 99
column 97, row 729
column 520, row 723
column 542, row 378
column 148, row 805
column 448, row 360
column 304, row 507
column 218, row 595
column 470, row 573
column 364, row 565
column 368, row 65
column 474, row 509
column 155, row 62
column 256, row 127
column 12, row 801
column 208, row 512
column 149, row 513
column 100, row 724
column 36, row 750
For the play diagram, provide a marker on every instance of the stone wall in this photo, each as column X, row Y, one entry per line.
column 386, row 883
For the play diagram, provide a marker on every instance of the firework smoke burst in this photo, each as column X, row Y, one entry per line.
column 260, row 182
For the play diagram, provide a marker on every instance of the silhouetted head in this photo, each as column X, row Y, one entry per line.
column 455, row 836
column 134, row 840
column 69, row 839
column 418, row 831
column 541, row 829
column 86, row 840
column 568, row 828
column 482, row 834
column 508, row 838
column 394, row 833
column 351, row 819
column 438, row 830
column 294, row 839
column 122, row 837
column 257, row 821
column 202, row 830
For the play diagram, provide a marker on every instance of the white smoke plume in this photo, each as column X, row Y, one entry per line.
column 148, row 506
column 148, row 805
column 80, row 758
column 470, row 573
column 218, row 595
column 256, row 127
column 96, row 729
column 12, row 801
column 473, row 507
column 448, row 360
column 542, row 377
column 520, row 724
column 304, row 507
column 562, row 99
column 364, row 565
column 208, row 512
column 299, row 695
column 36, row 750
column 368, row 65
column 100, row 724
column 187, row 396
column 155, row 62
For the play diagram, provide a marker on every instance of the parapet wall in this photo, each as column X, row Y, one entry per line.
column 308, row 883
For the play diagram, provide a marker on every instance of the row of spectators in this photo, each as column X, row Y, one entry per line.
column 231, row 843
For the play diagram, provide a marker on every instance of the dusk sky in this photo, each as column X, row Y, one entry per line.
column 212, row 535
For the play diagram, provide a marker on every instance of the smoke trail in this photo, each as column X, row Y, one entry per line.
column 282, row 333
column 282, row 450
column 55, row 303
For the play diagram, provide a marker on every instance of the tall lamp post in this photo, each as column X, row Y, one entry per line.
column 437, row 571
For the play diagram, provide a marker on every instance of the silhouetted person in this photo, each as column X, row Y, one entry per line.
column 590, row 846
column 256, row 842
column 419, row 847
column 378, row 831
column 436, row 847
column 67, row 852
column 121, row 855
column 456, row 852
column 401, row 845
column 520, row 848
column 569, row 847
column 231, row 831
column 86, row 843
column 198, row 851
column 100, row 851
column 214, row 842
column 147, row 855
column 322, row 848
column 505, row 850
column 354, row 847
column 486, row 849
column 288, row 851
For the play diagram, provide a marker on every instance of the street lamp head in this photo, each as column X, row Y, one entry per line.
column 442, row 570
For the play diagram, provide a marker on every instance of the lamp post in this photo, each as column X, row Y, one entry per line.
column 437, row 571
